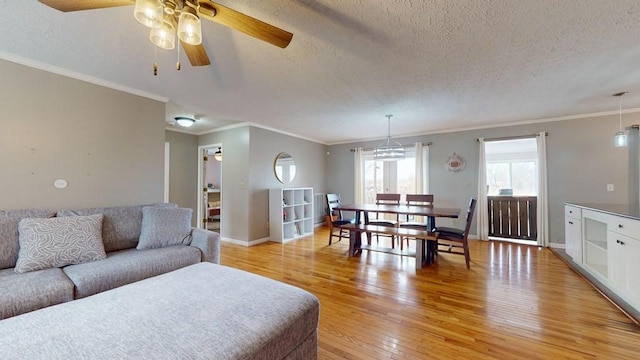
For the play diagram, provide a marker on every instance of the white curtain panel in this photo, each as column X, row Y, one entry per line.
column 425, row 171
column 419, row 171
column 482, row 205
column 543, row 208
column 358, row 176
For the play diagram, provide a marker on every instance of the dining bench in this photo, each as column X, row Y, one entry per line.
column 425, row 241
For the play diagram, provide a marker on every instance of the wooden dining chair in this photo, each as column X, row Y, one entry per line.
column 382, row 199
column 336, row 218
column 454, row 241
column 416, row 200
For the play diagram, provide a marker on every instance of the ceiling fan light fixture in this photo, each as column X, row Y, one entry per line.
column 164, row 36
column 185, row 121
column 189, row 26
column 148, row 12
column 153, row 13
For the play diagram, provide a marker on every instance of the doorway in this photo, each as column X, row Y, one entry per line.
column 210, row 195
column 512, row 189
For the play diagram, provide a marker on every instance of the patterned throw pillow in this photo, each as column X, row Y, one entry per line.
column 164, row 227
column 56, row 242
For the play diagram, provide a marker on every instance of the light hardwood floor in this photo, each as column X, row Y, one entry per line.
column 516, row 302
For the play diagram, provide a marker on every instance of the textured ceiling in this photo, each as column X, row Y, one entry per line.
column 435, row 65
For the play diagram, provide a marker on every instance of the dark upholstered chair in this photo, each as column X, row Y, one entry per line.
column 417, row 200
column 381, row 199
column 336, row 218
column 454, row 241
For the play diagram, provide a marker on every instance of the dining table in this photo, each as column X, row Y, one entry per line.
column 423, row 253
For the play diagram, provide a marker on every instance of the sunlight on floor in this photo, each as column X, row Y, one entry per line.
column 511, row 295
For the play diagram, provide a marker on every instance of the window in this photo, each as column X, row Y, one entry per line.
column 393, row 176
column 512, row 164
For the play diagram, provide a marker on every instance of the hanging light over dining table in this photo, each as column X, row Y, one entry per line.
column 390, row 150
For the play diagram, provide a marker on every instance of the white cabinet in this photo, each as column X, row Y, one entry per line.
column 609, row 248
column 624, row 252
column 290, row 213
column 573, row 232
column 632, row 253
column 618, row 260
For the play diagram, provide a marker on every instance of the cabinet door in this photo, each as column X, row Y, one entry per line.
column 573, row 238
column 617, row 246
column 632, row 252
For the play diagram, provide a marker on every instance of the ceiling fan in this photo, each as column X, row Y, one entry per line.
column 168, row 17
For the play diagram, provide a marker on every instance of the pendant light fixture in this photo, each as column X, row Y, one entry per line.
column 620, row 139
column 390, row 150
column 218, row 155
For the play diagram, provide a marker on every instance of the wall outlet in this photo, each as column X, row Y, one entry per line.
column 609, row 187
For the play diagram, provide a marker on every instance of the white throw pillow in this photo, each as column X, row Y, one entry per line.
column 164, row 227
column 56, row 242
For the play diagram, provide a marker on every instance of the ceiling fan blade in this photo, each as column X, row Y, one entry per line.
column 196, row 53
column 71, row 5
column 245, row 23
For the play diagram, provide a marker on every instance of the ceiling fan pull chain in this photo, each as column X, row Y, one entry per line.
column 178, row 63
column 155, row 62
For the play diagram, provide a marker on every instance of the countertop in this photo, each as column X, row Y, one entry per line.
column 627, row 210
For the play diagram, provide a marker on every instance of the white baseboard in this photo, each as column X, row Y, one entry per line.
column 259, row 241
column 244, row 243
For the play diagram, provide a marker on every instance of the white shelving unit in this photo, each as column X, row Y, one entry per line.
column 595, row 244
column 290, row 213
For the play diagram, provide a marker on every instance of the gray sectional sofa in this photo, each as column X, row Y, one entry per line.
column 137, row 282
column 121, row 261
column 202, row 311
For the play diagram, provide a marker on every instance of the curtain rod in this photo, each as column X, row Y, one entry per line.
column 513, row 137
column 369, row 149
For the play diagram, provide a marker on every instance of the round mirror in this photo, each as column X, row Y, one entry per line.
column 285, row 168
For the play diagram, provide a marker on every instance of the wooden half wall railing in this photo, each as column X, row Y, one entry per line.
column 513, row 217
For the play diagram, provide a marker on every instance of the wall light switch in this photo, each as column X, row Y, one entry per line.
column 609, row 187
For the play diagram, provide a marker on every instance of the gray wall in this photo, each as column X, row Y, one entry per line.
column 183, row 159
column 247, row 174
column 310, row 161
column 107, row 144
column 581, row 160
column 235, row 177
